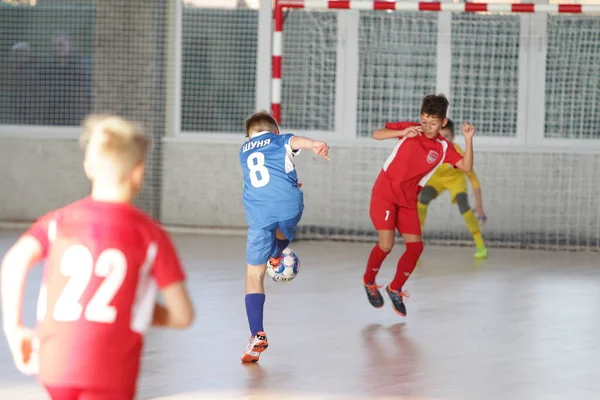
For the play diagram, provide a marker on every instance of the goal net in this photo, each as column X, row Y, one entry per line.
column 526, row 75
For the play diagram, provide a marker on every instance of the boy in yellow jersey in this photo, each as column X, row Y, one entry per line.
column 449, row 178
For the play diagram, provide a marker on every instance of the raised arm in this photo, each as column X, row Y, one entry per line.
column 302, row 142
column 466, row 164
column 383, row 134
column 394, row 130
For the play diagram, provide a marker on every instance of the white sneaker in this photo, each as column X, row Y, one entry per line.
column 256, row 345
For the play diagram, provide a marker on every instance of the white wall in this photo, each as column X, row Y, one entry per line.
column 525, row 194
column 38, row 176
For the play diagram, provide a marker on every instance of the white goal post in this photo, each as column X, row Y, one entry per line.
column 395, row 5
column 480, row 8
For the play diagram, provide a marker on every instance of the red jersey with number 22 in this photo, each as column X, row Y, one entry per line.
column 412, row 163
column 104, row 264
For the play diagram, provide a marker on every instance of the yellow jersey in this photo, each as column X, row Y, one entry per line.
column 448, row 174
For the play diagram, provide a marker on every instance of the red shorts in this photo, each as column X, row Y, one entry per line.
column 388, row 215
column 65, row 393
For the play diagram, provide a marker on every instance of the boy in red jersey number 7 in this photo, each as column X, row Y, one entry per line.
column 105, row 260
column 419, row 152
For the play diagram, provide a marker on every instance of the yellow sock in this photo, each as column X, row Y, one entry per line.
column 422, row 209
column 473, row 225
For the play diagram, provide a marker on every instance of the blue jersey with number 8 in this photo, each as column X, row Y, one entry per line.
column 271, row 192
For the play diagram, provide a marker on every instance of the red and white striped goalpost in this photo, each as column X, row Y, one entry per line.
column 393, row 5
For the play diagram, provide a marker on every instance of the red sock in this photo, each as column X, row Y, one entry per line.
column 406, row 264
column 375, row 260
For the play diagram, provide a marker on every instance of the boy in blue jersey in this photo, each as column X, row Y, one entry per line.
column 274, row 205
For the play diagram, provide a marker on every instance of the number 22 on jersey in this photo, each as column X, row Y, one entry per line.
column 77, row 263
column 259, row 174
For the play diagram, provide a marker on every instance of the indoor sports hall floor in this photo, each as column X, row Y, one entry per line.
column 521, row 325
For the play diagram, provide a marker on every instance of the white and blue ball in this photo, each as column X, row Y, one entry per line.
column 288, row 267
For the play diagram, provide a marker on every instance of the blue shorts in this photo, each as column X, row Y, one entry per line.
column 261, row 241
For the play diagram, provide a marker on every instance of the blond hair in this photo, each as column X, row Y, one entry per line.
column 113, row 146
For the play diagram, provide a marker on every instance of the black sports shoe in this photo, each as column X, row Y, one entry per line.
column 375, row 298
column 396, row 297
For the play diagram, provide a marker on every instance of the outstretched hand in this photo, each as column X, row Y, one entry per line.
column 321, row 149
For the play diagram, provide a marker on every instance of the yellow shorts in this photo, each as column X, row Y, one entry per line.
column 454, row 186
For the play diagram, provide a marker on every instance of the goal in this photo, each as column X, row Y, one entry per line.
column 526, row 75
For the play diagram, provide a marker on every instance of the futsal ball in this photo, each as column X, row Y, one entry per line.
column 287, row 268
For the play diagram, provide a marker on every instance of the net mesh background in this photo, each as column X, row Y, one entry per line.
column 47, row 68
column 485, row 72
column 397, row 64
column 310, row 44
column 572, row 84
column 62, row 59
column 218, row 68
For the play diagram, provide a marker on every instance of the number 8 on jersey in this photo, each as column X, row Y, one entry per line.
column 259, row 174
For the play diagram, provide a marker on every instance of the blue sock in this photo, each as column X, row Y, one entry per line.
column 281, row 244
column 254, row 310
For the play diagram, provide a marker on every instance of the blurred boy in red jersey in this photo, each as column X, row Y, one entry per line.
column 105, row 260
